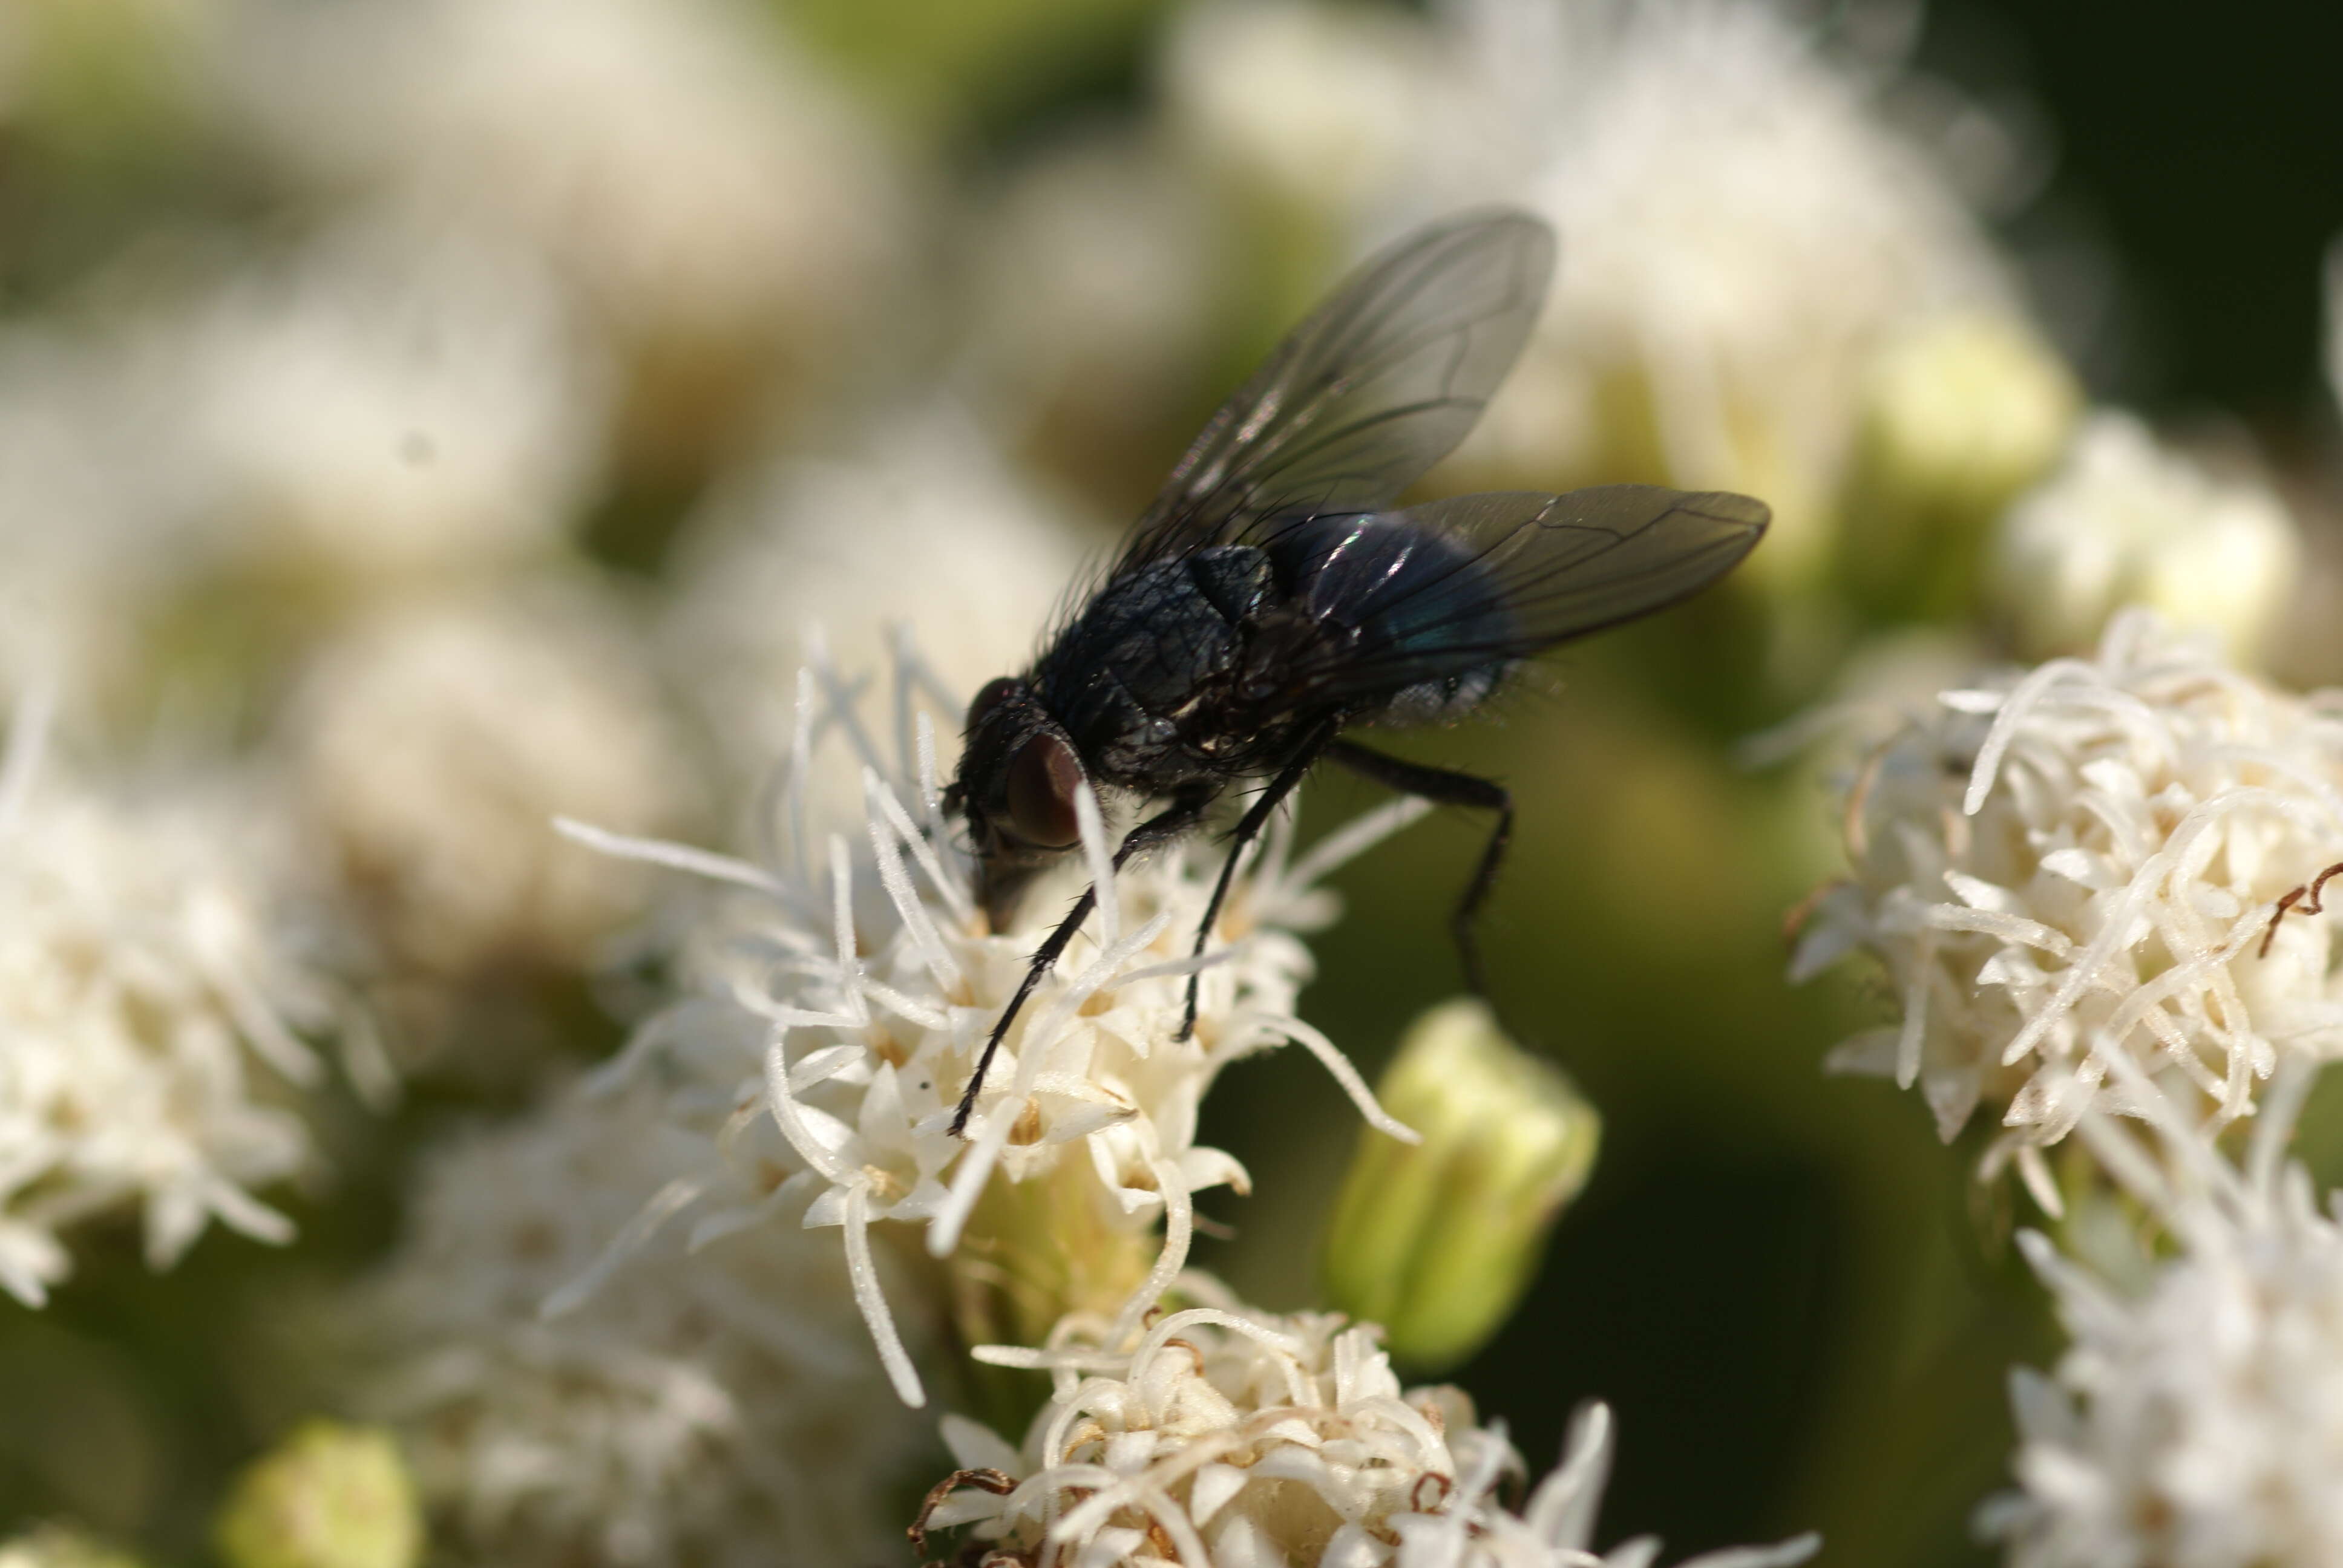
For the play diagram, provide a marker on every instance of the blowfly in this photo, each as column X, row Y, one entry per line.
column 1272, row 600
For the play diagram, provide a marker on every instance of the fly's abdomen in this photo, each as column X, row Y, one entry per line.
column 1430, row 633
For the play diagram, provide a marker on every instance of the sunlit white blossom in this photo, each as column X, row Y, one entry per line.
column 1093, row 283
column 1244, row 1439
column 85, row 560
column 157, row 973
column 673, row 156
column 2196, row 1419
column 2126, row 521
column 1318, row 104
column 712, row 1402
column 1743, row 232
column 921, row 515
column 389, row 399
column 845, row 987
column 435, row 740
column 2087, row 858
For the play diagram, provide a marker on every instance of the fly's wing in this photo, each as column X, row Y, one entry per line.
column 1500, row 577
column 1378, row 385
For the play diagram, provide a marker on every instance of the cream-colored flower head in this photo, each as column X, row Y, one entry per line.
column 672, row 157
column 2101, row 857
column 1096, row 279
column 845, row 987
column 393, row 399
column 156, row 977
column 1245, row 1438
column 1321, row 106
column 708, row 1401
column 2125, row 521
column 85, row 560
column 922, row 515
column 1743, row 234
column 2197, row 1418
column 435, row 741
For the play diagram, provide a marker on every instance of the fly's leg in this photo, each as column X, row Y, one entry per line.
column 1447, row 787
column 1184, row 812
column 1248, row 829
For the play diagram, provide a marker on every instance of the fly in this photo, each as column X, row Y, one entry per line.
column 1270, row 601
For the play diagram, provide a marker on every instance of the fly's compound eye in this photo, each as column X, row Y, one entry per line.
column 1042, row 779
column 991, row 697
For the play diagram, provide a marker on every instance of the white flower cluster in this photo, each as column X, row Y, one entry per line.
column 2097, row 856
column 845, row 998
column 153, row 979
column 2125, row 521
column 389, row 400
column 2198, row 1420
column 720, row 1410
column 431, row 740
column 1745, row 234
column 1250, row 1440
column 690, row 174
column 972, row 553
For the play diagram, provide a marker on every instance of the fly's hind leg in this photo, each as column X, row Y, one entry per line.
column 1447, row 787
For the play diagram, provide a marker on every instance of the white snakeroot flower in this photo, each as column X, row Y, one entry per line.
column 433, row 740
column 2086, row 861
column 708, row 1404
column 153, row 977
column 922, row 508
column 1318, row 104
column 387, row 401
column 2125, row 521
column 845, row 989
column 2196, row 1421
column 85, row 561
column 672, row 156
column 1229, row 1437
column 1743, row 233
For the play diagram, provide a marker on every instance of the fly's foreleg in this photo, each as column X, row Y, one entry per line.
column 1184, row 812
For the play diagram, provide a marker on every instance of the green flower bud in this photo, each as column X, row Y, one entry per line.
column 329, row 1496
column 1436, row 1241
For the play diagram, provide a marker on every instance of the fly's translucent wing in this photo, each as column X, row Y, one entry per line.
column 1378, row 385
column 1455, row 585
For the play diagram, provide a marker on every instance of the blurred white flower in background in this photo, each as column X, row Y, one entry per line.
column 1232, row 1436
column 2126, row 521
column 714, row 1406
column 1321, row 106
column 2060, row 865
column 434, row 741
column 845, row 993
column 1744, row 231
column 2196, row 1420
column 157, row 969
column 1094, row 278
column 673, row 158
column 85, row 559
column 922, row 523
column 387, row 401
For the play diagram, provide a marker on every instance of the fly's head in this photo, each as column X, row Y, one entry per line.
column 1018, row 778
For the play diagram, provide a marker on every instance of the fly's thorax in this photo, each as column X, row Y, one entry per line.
column 1127, row 677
